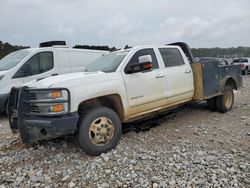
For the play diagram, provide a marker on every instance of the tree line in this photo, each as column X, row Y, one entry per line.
column 222, row 52
column 6, row 48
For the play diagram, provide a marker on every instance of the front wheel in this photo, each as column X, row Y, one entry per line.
column 99, row 131
column 224, row 103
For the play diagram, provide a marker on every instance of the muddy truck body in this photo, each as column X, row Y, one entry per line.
column 120, row 87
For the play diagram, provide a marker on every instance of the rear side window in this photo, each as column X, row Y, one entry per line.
column 171, row 57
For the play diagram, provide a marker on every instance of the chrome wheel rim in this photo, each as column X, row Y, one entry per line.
column 101, row 131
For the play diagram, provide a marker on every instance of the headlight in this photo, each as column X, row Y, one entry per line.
column 1, row 77
column 53, row 94
column 49, row 101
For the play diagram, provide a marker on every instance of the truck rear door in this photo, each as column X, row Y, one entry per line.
column 178, row 78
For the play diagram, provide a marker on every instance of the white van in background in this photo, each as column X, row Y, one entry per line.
column 26, row 65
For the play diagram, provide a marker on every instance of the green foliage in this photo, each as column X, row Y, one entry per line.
column 6, row 48
column 222, row 52
column 106, row 48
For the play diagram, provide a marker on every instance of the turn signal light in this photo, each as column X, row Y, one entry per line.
column 148, row 66
column 57, row 108
column 56, row 94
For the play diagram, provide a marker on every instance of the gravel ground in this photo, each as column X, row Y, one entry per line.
column 191, row 147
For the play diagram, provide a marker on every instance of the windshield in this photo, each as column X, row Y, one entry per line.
column 12, row 59
column 236, row 60
column 240, row 60
column 107, row 63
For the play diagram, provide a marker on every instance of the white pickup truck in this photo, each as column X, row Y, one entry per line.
column 244, row 64
column 119, row 87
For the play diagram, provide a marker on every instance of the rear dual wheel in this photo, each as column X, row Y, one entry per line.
column 222, row 103
column 99, row 130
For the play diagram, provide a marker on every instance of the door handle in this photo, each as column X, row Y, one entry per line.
column 159, row 76
column 54, row 74
column 187, row 71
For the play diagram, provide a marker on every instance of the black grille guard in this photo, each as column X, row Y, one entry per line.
column 19, row 109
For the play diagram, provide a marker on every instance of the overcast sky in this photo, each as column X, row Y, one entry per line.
column 200, row 23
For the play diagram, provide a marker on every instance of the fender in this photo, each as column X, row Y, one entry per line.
column 228, row 80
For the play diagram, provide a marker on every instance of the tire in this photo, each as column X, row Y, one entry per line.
column 7, row 107
column 244, row 72
column 99, row 131
column 224, row 103
column 212, row 104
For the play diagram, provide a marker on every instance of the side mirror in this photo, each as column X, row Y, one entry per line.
column 145, row 64
column 145, row 59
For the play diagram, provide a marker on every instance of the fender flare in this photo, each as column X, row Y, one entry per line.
column 228, row 81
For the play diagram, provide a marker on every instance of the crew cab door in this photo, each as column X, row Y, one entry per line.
column 144, row 88
column 178, row 75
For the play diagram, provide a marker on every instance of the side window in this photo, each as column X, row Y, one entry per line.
column 37, row 64
column 32, row 65
column 135, row 58
column 171, row 57
column 46, row 61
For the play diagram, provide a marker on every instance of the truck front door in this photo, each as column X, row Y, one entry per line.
column 144, row 89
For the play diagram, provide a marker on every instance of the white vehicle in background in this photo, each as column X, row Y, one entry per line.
column 244, row 64
column 26, row 65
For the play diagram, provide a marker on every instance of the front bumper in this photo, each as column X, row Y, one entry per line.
column 34, row 127
column 3, row 100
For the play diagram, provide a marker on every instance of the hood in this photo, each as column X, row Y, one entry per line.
column 60, row 79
